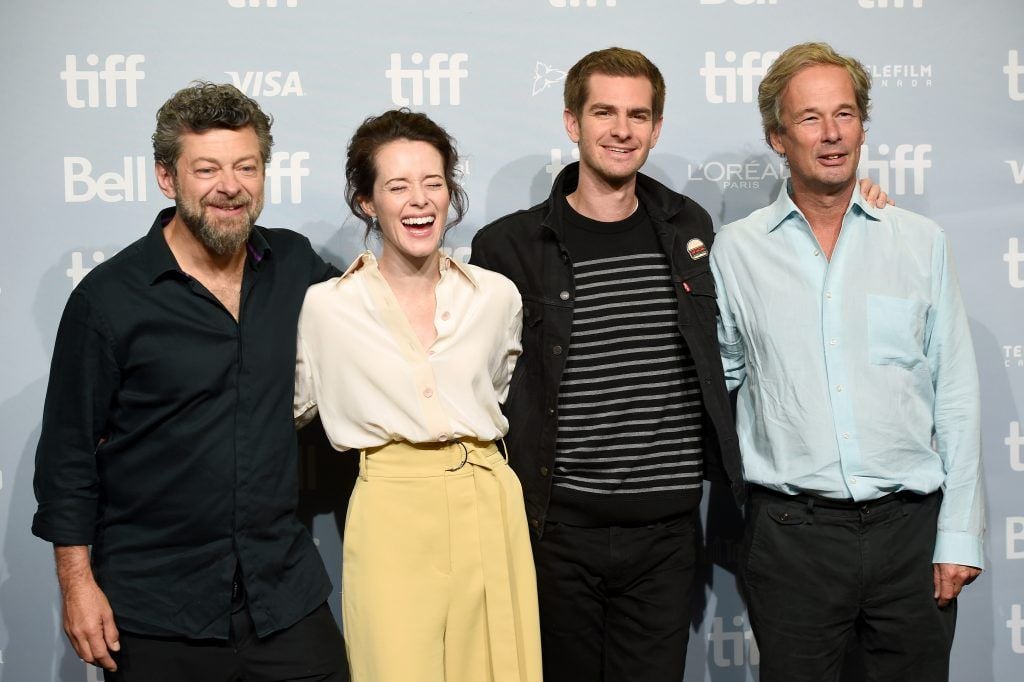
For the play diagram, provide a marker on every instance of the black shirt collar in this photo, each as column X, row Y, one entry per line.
column 160, row 261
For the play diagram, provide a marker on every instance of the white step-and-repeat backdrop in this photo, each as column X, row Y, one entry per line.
column 81, row 83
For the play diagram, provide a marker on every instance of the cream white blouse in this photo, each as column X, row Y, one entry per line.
column 361, row 365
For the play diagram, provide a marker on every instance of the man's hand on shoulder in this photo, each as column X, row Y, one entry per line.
column 88, row 618
column 950, row 579
column 873, row 194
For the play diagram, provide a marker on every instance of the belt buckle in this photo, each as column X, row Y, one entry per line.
column 465, row 457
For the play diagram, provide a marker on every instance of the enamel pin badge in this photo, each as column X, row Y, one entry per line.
column 696, row 249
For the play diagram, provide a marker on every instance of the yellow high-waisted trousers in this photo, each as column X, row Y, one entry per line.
column 438, row 583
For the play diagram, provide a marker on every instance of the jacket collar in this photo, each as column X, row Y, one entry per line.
column 659, row 201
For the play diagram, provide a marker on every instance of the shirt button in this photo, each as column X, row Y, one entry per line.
column 445, row 315
column 551, row 410
column 816, row 253
column 535, row 523
column 853, row 480
column 428, row 392
column 833, row 342
column 564, row 296
column 846, row 436
column 543, row 471
column 556, row 350
column 828, row 294
column 839, row 388
column 431, row 352
column 442, row 437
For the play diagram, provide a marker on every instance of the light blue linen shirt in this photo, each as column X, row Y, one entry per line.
column 856, row 376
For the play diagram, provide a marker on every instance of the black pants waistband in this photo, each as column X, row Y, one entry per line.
column 818, row 502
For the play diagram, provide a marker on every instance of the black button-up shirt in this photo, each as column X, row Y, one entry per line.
column 168, row 443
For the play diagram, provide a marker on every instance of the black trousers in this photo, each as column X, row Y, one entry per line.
column 312, row 649
column 615, row 603
column 817, row 573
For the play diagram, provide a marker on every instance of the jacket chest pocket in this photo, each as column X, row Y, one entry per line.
column 533, row 325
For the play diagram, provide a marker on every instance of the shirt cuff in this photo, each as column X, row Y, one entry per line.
column 959, row 548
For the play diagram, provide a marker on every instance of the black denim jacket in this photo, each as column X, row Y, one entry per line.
column 528, row 248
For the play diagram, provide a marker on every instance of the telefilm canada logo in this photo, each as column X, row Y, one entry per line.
column 439, row 72
column 546, row 76
column 900, row 75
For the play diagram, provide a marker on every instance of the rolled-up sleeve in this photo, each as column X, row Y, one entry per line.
column 84, row 376
column 304, row 404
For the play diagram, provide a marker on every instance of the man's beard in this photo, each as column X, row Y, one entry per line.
column 227, row 235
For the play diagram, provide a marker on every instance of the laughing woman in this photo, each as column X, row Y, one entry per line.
column 407, row 357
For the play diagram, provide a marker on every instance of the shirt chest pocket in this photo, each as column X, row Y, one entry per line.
column 896, row 329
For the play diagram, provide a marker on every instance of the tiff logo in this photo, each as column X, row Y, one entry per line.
column 116, row 68
column 111, row 187
column 735, row 647
column 581, row 3
column 556, row 165
column 1014, row 536
column 1014, row 71
column 1017, row 168
column 267, row 83
column 78, row 270
column 909, row 161
column 265, row 3
column 753, row 66
column 1014, row 441
column 284, row 165
column 1016, row 626
column 441, row 66
column 883, row 4
column 1014, row 257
